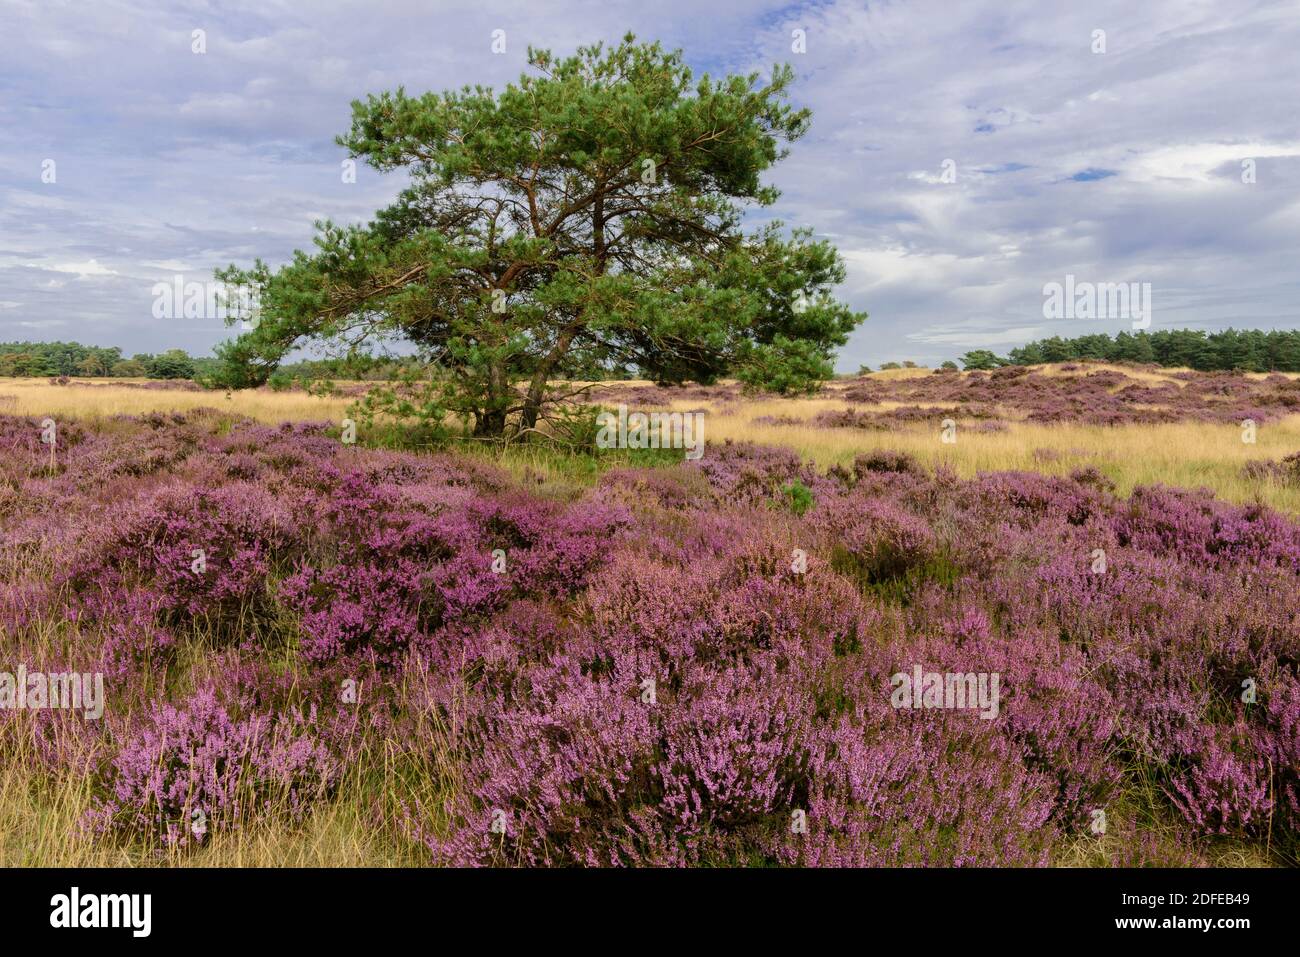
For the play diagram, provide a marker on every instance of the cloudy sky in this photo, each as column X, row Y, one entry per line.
column 126, row 158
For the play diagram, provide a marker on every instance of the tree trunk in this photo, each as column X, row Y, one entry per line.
column 491, row 421
column 490, row 424
column 537, row 387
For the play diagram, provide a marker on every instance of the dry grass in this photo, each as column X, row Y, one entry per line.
column 1144, row 376
column 91, row 399
column 43, row 817
column 902, row 373
column 41, row 826
column 1167, row 375
column 1188, row 454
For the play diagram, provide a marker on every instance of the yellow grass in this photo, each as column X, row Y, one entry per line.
column 43, row 817
column 1144, row 376
column 1188, row 454
column 41, row 825
column 902, row 373
column 89, row 398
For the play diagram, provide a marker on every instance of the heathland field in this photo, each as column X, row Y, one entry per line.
column 1172, row 435
column 329, row 653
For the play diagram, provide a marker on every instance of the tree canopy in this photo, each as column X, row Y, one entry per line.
column 75, row 359
column 588, row 216
column 1248, row 350
column 981, row 359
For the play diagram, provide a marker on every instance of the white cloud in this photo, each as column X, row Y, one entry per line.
column 88, row 268
column 1197, row 163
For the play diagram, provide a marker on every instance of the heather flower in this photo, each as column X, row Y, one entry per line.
column 197, row 767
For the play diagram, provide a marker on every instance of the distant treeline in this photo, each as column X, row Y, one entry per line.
column 51, row 359
column 1247, row 350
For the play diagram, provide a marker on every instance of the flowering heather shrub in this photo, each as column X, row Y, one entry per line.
column 884, row 460
column 892, row 418
column 353, row 608
column 848, row 419
column 1093, row 398
column 196, row 768
column 405, row 572
column 554, row 760
column 662, row 396
column 1199, row 529
column 589, row 772
column 668, row 488
column 867, row 392
column 153, row 385
column 237, row 528
column 917, row 793
column 916, row 413
column 742, row 473
column 1226, row 786
column 133, row 638
column 1093, row 477
column 666, row 668
column 1278, row 740
column 879, row 540
column 1286, row 471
